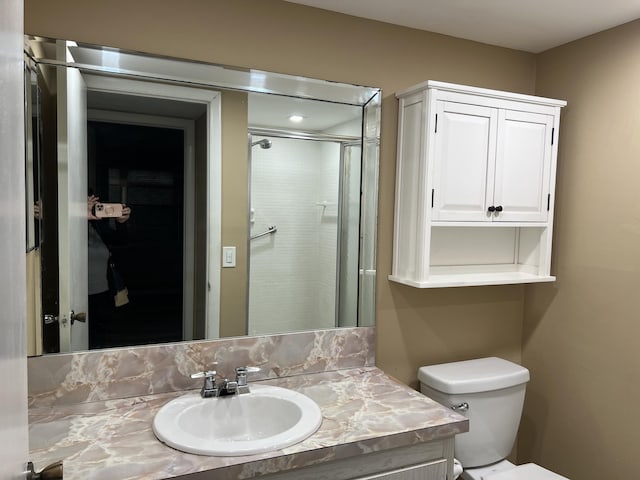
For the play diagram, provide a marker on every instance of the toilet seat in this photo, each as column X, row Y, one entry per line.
column 528, row 471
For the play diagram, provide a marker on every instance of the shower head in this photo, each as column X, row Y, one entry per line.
column 264, row 143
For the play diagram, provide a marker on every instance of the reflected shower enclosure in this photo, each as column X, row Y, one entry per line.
column 304, row 272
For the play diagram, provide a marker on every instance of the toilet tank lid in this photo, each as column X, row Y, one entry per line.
column 473, row 376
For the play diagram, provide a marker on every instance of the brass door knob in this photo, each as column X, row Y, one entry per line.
column 78, row 317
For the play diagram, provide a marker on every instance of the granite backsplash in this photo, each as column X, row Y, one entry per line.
column 99, row 375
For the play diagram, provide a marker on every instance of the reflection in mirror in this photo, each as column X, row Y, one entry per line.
column 242, row 222
column 32, row 154
column 33, row 205
column 300, row 191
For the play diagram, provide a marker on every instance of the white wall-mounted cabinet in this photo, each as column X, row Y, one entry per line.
column 475, row 186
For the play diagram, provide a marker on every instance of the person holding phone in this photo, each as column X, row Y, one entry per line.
column 102, row 239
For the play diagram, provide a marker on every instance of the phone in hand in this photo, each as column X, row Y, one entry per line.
column 107, row 210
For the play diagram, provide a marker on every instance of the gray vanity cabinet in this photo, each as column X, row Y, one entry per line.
column 422, row 461
column 436, row 470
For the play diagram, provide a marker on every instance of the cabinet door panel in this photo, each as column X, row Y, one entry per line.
column 464, row 149
column 523, row 164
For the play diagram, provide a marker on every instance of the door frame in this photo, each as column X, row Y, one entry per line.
column 212, row 100
column 71, row 150
column 188, row 205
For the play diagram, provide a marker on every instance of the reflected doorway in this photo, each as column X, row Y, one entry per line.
column 138, row 156
column 142, row 167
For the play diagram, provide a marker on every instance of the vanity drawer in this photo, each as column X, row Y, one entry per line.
column 436, row 470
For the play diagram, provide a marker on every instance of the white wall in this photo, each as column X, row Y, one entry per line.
column 298, row 262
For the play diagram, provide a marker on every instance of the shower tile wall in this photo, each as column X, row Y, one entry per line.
column 293, row 272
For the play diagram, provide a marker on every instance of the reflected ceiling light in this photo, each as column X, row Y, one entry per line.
column 296, row 118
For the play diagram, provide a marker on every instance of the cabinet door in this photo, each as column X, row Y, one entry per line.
column 523, row 163
column 465, row 140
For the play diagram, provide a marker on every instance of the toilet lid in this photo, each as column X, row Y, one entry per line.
column 528, row 471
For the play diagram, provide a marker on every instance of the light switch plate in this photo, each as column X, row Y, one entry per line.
column 228, row 257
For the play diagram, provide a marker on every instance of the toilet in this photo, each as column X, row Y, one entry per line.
column 490, row 393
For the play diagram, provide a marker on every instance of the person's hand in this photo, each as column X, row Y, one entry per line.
column 126, row 213
column 91, row 202
column 36, row 210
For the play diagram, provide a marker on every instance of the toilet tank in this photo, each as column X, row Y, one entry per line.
column 493, row 389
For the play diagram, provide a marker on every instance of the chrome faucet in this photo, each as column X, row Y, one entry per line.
column 209, row 389
column 241, row 378
column 225, row 387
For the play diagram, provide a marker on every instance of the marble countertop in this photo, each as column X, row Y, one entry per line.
column 363, row 411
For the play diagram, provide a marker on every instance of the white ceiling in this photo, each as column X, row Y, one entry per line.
column 271, row 111
column 264, row 110
column 529, row 25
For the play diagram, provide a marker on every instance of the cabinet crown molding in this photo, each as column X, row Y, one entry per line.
column 482, row 92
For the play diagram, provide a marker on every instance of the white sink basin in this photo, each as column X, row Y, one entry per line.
column 268, row 418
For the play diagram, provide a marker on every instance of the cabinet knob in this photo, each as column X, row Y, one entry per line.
column 492, row 209
column 499, row 208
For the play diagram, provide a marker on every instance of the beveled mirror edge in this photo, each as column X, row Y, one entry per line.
column 229, row 77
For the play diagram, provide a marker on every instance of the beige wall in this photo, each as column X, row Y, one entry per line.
column 579, row 416
column 34, row 306
column 581, row 333
column 235, row 205
column 414, row 327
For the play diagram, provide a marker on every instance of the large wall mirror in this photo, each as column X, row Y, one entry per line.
column 233, row 201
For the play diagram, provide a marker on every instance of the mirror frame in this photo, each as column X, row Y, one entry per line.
column 120, row 63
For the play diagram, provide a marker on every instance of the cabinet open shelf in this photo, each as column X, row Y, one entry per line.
column 441, row 280
column 471, row 255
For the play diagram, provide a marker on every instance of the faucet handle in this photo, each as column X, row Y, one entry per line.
column 207, row 374
column 241, row 376
column 209, row 388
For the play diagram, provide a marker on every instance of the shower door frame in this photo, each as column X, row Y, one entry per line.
column 344, row 141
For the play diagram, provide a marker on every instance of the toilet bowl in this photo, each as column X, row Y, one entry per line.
column 490, row 393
